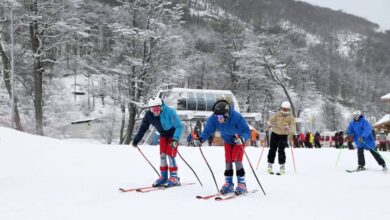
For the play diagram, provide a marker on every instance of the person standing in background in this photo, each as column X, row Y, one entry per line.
column 317, row 139
column 382, row 141
column 283, row 125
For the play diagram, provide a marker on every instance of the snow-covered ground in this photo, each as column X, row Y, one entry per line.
column 45, row 179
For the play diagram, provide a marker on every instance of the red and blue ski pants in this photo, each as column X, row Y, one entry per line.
column 167, row 150
column 234, row 152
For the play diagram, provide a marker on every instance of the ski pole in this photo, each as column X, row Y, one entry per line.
column 338, row 158
column 190, row 168
column 261, row 154
column 212, row 173
column 257, row 179
column 148, row 161
column 292, row 154
column 250, row 164
column 195, row 135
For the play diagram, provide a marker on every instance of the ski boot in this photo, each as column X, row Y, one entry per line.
column 241, row 186
column 282, row 169
column 269, row 169
column 161, row 180
column 384, row 167
column 174, row 180
column 360, row 168
column 228, row 186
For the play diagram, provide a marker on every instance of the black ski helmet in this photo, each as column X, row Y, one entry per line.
column 221, row 107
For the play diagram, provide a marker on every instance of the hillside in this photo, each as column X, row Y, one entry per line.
column 119, row 55
column 44, row 178
column 312, row 18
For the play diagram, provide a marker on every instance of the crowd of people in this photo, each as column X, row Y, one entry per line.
column 340, row 139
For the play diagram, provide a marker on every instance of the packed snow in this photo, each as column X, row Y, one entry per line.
column 43, row 178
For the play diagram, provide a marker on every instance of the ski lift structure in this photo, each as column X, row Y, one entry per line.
column 197, row 104
column 384, row 123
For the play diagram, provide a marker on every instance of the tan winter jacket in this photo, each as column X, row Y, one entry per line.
column 279, row 123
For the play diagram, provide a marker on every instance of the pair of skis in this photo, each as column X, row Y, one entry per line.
column 151, row 188
column 355, row 170
column 217, row 196
column 228, row 196
column 277, row 173
column 359, row 170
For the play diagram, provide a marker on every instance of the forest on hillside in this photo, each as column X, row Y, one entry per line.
column 264, row 51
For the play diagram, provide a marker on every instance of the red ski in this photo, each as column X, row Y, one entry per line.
column 233, row 196
column 149, row 188
column 208, row 196
column 161, row 188
column 135, row 189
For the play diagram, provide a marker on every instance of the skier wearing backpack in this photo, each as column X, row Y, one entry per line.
column 168, row 124
column 234, row 131
column 361, row 131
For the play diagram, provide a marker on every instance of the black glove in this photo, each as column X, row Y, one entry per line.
column 133, row 144
column 239, row 140
column 174, row 143
column 197, row 142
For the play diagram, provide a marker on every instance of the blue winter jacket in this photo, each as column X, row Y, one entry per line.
column 168, row 124
column 235, row 124
column 361, row 128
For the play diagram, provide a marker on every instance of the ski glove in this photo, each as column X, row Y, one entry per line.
column 174, row 143
column 197, row 142
column 239, row 140
column 361, row 140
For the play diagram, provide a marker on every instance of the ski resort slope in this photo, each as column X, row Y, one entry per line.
column 46, row 179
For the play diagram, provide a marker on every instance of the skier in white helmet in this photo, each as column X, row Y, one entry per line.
column 283, row 125
column 168, row 124
column 361, row 131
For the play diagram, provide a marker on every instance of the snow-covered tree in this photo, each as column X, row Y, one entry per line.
column 143, row 33
column 50, row 25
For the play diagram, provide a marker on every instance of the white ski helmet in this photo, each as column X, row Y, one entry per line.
column 356, row 113
column 155, row 101
column 286, row 104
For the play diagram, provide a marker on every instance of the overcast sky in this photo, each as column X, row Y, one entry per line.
column 377, row 11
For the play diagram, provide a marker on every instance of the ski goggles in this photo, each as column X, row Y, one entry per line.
column 220, row 117
column 155, row 109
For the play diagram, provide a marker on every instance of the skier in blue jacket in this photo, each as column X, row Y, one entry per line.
column 234, row 131
column 168, row 124
column 361, row 131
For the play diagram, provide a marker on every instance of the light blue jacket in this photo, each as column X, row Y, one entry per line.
column 168, row 124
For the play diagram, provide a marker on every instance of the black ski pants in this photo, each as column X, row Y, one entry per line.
column 317, row 144
column 278, row 143
column 377, row 156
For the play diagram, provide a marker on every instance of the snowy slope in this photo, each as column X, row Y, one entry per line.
column 45, row 179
